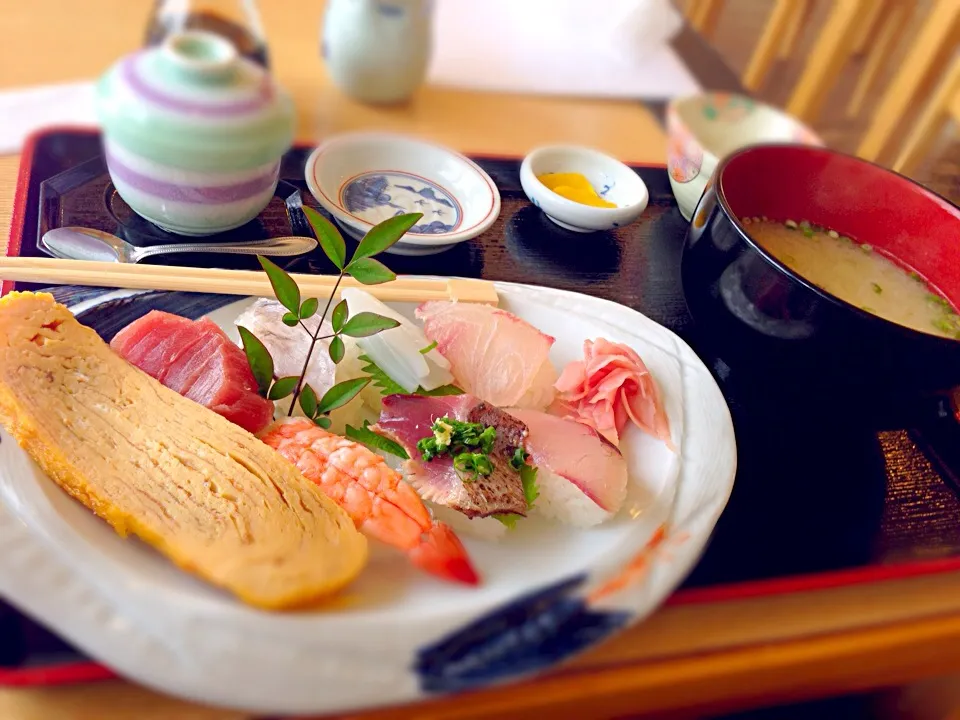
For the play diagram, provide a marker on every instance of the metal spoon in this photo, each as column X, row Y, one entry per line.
column 80, row 243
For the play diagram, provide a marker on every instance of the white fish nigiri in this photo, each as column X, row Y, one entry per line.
column 397, row 351
column 493, row 354
column 289, row 345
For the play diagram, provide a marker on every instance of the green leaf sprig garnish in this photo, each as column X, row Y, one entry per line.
column 528, row 477
column 364, row 269
column 387, row 386
column 365, row 436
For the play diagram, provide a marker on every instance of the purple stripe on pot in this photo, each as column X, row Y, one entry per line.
column 131, row 76
column 193, row 194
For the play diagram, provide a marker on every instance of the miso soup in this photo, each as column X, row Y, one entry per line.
column 855, row 273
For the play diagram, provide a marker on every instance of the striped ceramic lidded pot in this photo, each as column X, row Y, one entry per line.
column 194, row 133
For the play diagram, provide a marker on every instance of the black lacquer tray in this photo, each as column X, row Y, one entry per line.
column 816, row 502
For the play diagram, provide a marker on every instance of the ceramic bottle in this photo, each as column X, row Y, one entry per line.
column 377, row 51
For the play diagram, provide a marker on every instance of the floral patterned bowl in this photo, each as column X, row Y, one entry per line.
column 364, row 178
column 704, row 128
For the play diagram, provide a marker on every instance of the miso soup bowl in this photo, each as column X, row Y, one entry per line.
column 792, row 339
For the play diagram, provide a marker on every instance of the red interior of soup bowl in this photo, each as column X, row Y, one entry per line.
column 856, row 198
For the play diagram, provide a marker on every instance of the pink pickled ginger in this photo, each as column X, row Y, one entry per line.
column 610, row 387
column 493, row 354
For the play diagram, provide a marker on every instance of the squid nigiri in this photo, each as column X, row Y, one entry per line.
column 379, row 502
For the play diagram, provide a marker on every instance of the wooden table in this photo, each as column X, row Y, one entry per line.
column 748, row 651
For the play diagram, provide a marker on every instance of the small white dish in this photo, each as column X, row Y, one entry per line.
column 613, row 181
column 364, row 178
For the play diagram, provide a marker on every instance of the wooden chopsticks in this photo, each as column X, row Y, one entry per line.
column 231, row 282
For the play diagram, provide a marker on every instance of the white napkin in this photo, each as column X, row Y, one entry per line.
column 25, row 111
column 614, row 48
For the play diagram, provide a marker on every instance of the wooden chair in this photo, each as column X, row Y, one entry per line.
column 843, row 31
column 778, row 40
column 945, row 105
column 870, row 27
column 879, row 37
column 932, row 49
column 704, row 14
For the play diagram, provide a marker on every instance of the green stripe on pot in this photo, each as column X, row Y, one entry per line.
column 186, row 145
column 181, row 142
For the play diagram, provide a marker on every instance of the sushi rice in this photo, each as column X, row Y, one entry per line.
column 562, row 500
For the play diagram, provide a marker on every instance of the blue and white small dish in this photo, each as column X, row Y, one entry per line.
column 613, row 181
column 364, row 178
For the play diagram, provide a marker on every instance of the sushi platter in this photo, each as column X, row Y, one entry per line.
column 507, row 599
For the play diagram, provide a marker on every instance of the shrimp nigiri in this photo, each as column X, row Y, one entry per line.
column 379, row 502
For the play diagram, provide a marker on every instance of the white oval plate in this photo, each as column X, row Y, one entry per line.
column 396, row 635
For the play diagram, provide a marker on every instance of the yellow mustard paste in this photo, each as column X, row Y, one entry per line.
column 574, row 186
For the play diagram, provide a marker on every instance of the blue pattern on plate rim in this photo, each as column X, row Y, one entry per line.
column 532, row 633
column 71, row 295
column 376, row 196
column 111, row 316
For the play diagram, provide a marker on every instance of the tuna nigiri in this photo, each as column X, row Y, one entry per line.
column 378, row 501
column 493, row 354
column 196, row 359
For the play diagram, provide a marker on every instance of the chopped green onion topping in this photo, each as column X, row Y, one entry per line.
column 472, row 464
column 456, row 437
